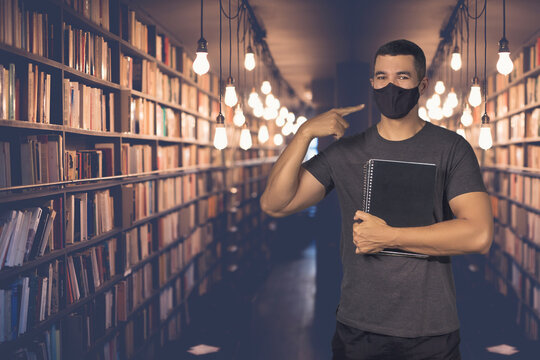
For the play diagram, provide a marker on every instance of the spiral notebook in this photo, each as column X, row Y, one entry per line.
column 401, row 193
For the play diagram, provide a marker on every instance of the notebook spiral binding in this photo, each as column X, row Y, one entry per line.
column 368, row 180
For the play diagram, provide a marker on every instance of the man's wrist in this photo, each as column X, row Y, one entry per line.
column 303, row 134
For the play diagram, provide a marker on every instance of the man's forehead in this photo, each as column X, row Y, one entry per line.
column 404, row 62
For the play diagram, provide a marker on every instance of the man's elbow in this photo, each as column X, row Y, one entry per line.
column 485, row 240
column 266, row 210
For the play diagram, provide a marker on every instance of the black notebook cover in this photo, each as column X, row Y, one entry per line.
column 401, row 193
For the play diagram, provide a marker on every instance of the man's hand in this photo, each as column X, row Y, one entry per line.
column 372, row 234
column 329, row 123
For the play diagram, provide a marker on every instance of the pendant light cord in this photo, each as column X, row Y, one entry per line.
column 201, row 19
column 230, row 41
column 504, row 19
column 485, row 59
column 220, row 71
column 475, row 35
column 238, row 48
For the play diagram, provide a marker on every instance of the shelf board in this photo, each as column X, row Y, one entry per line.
column 23, row 124
column 514, row 170
column 525, row 206
column 534, row 71
column 87, row 77
column 87, row 23
column 516, row 111
column 518, row 141
column 30, row 56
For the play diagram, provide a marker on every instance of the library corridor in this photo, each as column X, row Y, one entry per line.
column 269, row 179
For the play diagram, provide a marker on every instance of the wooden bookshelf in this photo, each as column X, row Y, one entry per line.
column 122, row 162
column 512, row 176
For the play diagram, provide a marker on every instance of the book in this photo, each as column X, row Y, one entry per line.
column 401, row 193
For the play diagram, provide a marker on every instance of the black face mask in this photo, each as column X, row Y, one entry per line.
column 395, row 102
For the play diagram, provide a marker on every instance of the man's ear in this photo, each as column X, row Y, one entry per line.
column 423, row 85
column 371, row 81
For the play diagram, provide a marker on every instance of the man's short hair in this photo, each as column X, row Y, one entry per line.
column 404, row 47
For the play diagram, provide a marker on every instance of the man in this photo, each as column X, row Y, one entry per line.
column 391, row 307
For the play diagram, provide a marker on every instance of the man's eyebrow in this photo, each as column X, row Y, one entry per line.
column 380, row 73
column 404, row 73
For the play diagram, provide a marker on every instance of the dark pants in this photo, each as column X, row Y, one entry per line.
column 354, row 344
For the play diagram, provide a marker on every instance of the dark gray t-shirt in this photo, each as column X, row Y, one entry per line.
column 392, row 295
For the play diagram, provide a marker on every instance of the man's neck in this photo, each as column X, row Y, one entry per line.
column 399, row 129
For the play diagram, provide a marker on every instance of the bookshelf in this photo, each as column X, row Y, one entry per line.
column 116, row 212
column 511, row 172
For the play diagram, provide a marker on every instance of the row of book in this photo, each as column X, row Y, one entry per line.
column 88, row 108
column 88, row 164
column 520, row 188
column 166, row 52
column 30, row 300
column 167, row 122
column 138, row 201
column 137, row 32
column 26, row 28
column 524, row 223
column 87, row 271
column 86, row 52
column 138, row 244
column 519, row 126
column 517, row 155
column 135, row 159
column 96, row 11
column 525, row 254
column 88, row 215
column 26, row 97
column 517, row 96
column 25, row 234
column 35, row 159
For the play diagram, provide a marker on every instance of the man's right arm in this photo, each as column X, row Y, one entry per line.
column 291, row 188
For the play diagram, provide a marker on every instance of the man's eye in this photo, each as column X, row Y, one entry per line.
column 403, row 77
column 380, row 77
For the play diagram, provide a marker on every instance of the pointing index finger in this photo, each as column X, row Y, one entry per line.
column 350, row 109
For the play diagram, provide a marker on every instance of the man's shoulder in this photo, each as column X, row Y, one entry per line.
column 443, row 136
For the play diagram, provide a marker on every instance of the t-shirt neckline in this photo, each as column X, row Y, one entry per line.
column 378, row 136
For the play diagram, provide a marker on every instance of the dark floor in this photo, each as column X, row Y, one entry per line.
column 271, row 317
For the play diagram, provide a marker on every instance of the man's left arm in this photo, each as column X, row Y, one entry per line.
column 470, row 232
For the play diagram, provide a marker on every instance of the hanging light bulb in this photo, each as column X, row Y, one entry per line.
column 266, row 88
column 485, row 140
column 280, row 121
column 452, row 99
column 239, row 119
column 269, row 113
column 287, row 128
column 245, row 138
column 466, row 117
column 290, row 117
column 504, row 64
column 430, row 104
column 461, row 131
column 439, row 87
column 275, row 104
column 301, row 119
column 447, row 109
column 249, row 61
column 436, row 113
column 230, row 93
column 269, row 100
column 283, row 111
column 422, row 113
column 475, row 96
column 455, row 62
column 220, row 136
column 201, row 64
column 258, row 111
column 253, row 97
column 278, row 140
column 263, row 134
column 436, row 100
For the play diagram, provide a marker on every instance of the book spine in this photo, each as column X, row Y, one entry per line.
column 368, row 178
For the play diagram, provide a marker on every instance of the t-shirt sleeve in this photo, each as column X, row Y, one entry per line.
column 464, row 172
column 319, row 167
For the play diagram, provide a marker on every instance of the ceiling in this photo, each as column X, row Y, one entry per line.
column 307, row 38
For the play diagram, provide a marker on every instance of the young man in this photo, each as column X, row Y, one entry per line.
column 391, row 307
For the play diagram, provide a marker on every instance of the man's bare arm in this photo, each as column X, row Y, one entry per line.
column 470, row 232
column 290, row 188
